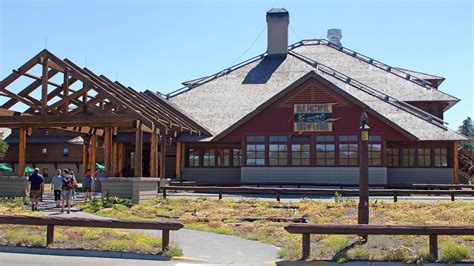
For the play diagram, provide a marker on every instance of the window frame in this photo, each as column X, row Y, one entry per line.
column 409, row 156
column 435, row 155
column 421, row 151
column 396, row 157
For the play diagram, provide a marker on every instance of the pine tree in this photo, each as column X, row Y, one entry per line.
column 3, row 147
column 467, row 130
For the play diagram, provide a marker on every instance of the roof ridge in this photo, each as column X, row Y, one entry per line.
column 374, row 92
column 419, row 72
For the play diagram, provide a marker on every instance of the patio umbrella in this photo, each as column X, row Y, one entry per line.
column 4, row 167
column 99, row 166
column 29, row 169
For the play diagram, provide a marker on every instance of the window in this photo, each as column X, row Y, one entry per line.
column 375, row 154
column 300, row 155
column 255, row 138
column 223, row 157
column 45, row 172
column 441, row 157
column 325, row 154
column 193, row 157
column 408, row 157
column 348, row 138
column 392, row 157
column 424, row 157
column 255, row 154
column 278, row 154
column 325, row 138
column 46, row 132
column 44, row 151
column 375, row 138
column 237, row 156
column 66, row 151
column 277, row 139
column 209, row 158
column 348, row 154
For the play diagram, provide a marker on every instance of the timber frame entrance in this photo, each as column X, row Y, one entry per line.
column 98, row 108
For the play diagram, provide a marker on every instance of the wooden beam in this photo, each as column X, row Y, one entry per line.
column 44, row 87
column 99, row 120
column 178, row 160
column 56, row 92
column 92, row 154
column 154, row 155
column 456, row 163
column 108, row 151
column 115, row 161
column 121, row 155
column 162, row 156
column 85, row 156
column 23, row 69
column 66, row 92
column 22, row 152
column 138, row 150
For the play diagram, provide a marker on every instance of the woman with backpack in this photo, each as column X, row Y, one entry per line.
column 66, row 190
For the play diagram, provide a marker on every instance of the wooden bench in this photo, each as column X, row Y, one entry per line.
column 51, row 222
column 316, row 191
column 432, row 231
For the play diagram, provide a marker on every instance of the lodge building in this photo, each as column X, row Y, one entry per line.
column 289, row 115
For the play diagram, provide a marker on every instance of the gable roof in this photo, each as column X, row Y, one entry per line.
column 222, row 100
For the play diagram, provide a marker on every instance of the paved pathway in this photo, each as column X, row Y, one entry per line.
column 201, row 247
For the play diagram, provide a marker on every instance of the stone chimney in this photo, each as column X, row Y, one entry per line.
column 277, row 28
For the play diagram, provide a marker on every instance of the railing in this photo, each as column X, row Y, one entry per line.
column 51, row 222
column 432, row 231
column 316, row 191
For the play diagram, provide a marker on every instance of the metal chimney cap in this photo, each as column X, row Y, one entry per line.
column 335, row 36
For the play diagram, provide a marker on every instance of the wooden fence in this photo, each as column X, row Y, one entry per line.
column 316, row 191
column 51, row 222
column 306, row 230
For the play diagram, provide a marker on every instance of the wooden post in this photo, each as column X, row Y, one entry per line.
column 395, row 197
column 121, row 155
column 138, row 149
column 44, row 87
column 162, row 156
column 178, row 161
column 49, row 234
column 154, row 155
column 66, row 92
column 165, row 240
column 452, row 196
column 108, row 151
column 456, row 163
column 164, row 192
column 115, row 160
column 363, row 208
column 22, row 152
column 434, row 246
column 306, row 240
column 92, row 154
column 278, row 196
column 85, row 155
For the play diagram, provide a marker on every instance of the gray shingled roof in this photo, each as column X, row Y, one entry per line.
column 221, row 102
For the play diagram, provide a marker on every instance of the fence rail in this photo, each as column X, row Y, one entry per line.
column 432, row 231
column 316, row 191
column 51, row 222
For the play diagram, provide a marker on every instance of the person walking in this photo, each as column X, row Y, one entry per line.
column 74, row 186
column 57, row 183
column 88, row 184
column 66, row 191
column 36, row 188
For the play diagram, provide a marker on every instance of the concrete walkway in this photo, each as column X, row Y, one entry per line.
column 200, row 247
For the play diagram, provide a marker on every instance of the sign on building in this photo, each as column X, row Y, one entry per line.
column 313, row 117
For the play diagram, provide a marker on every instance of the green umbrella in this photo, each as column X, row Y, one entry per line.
column 29, row 169
column 4, row 167
column 99, row 166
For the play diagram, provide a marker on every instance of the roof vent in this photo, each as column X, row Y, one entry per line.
column 277, row 23
column 335, row 36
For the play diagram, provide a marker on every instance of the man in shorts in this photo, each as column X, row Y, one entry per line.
column 66, row 190
column 36, row 188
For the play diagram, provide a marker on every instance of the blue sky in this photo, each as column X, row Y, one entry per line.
column 157, row 45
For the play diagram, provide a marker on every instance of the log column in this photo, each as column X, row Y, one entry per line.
column 44, row 87
column 138, row 149
column 178, row 160
column 154, row 155
column 121, row 155
column 22, row 152
column 456, row 163
column 92, row 154
column 108, row 151
column 163, row 156
column 85, row 155
column 115, row 169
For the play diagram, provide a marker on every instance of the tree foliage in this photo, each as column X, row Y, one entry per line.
column 3, row 147
column 467, row 130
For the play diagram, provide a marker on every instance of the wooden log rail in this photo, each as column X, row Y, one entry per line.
column 306, row 230
column 316, row 191
column 51, row 222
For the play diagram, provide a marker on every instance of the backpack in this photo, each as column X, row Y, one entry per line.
column 68, row 183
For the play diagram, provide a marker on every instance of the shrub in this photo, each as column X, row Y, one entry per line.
column 359, row 253
column 453, row 252
column 400, row 253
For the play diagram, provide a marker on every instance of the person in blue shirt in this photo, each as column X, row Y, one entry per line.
column 36, row 188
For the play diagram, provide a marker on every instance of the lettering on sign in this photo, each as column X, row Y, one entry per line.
column 313, row 117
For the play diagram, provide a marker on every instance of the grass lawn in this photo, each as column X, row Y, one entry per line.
column 224, row 217
column 76, row 237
